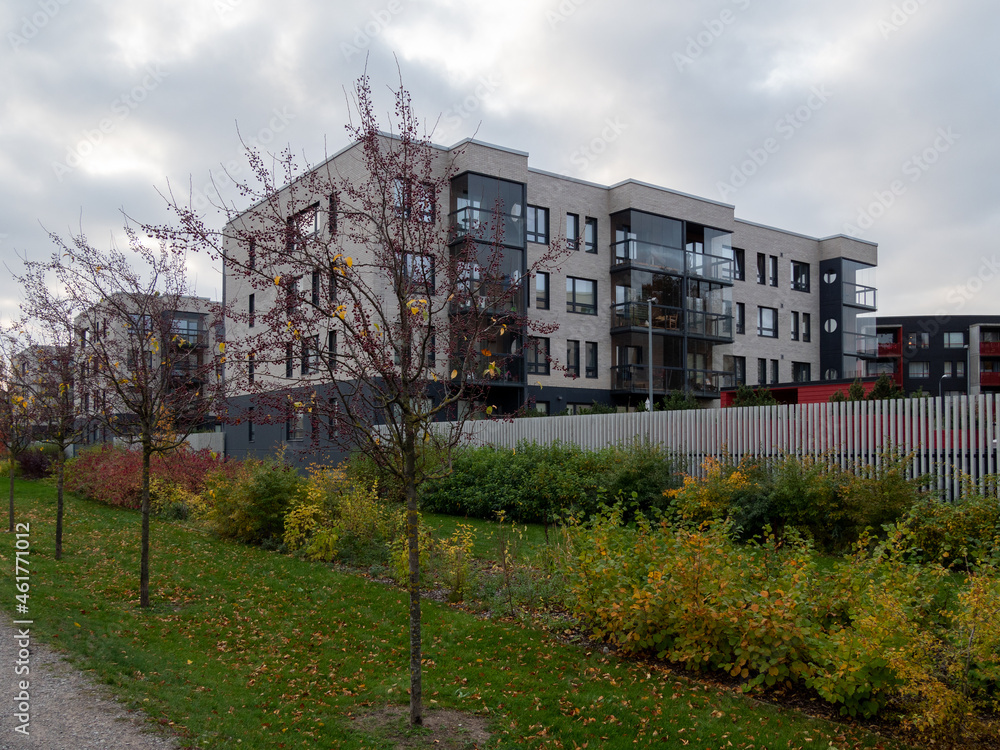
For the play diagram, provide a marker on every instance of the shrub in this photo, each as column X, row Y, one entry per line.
column 37, row 462
column 251, row 506
column 956, row 533
column 113, row 474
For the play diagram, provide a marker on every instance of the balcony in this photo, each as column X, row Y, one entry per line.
column 989, row 348
column 989, row 379
column 857, row 295
column 861, row 344
column 509, row 370
column 636, row 315
column 673, row 260
column 710, row 325
column 481, row 224
column 709, row 381
column 635, row 379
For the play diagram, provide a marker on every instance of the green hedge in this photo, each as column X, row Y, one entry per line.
column 535, row 483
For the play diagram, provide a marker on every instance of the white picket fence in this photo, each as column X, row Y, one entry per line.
column 951, row 437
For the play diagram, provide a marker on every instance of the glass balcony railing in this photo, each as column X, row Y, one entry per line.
column 635, row 378
column 672, row 259
column 710, row 325
column 509, row 369
column 857, row 295
column 482, row 225
column 890, row 349
column 860, row 344
column 709, row 381
column 636, row 315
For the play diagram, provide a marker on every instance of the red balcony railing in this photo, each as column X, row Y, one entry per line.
column 893, row 349
column 990, row 348
column 989, row 378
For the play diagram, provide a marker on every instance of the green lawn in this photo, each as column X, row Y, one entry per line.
column 245, row 648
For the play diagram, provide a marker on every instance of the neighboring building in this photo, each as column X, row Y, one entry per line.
column 179, row 349
column 940, row 355
column 732, row 301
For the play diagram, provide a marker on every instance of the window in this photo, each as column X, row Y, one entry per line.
column 774, row 371
column 581, row 296
column 332, row 215
column 289, row 361
column 573, row 358
column 251, row 367
column 741, row 317
column 806, row 327
column 591, row 359
column 415, row 202
column 767, row 322
column 314, row 290
column 572, row 232
column 947, row 369
column 542, row 407
column 537, row 356
column 761, row 268
column 252, row 255
column 960, row 369
column 331, row 349
column 801, row 372
column 918, row 341
column 310, row 355
column 761, row 371
column 295, row 427
column 542, row 290
column 538, row 225
column 419, row 270
column 795, row 326
column 740, row 370
column 590, row 236
column 739, row 264
column 800, row 276
column 773, row 270
column 252, row 308
column 292, row 299
column 301, row 227
column 954, row 339
column 250, row 427
column 919, row 369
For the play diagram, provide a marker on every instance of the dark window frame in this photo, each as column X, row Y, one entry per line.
column 537, row 225
column 537, row 356
column 540, row 303
column 799, row 276
column 768, row 333
column 573, row 357
column 579, row 308
column 590, row 363
column 573, row 228
column 590, row 235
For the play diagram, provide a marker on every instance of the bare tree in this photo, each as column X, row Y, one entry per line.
column 373, row 313
column 50, row 358
column 17, row 405
column 146, row 370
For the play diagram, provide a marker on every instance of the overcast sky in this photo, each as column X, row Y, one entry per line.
column 869, row 117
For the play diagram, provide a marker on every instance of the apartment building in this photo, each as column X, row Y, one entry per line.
column 660, row 291
column 941, row 355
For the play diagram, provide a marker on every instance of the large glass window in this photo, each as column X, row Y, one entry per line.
column 918, row 340
column 590, row 235
column 954, row 339
column 800, row 276
column 573, row 231
column 573, row 357
column 581, row 296
column 538, row 225
column 767, row 322
column 801, row 372
column 537, row 356
column 252, row 310
column 591, row 359
column 919, row 369
column 476, row 199
column 761, row 371
column 542, row 290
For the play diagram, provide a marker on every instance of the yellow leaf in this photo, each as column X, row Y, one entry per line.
column 348, row 261
column 222, row 346
column 489, row 410
column 454, row 374
column 277, row 280
column 487, row 353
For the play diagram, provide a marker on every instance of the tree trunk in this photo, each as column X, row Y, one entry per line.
column 10, row 468
column 144, row 552
column 413, row 545
column 60, row 478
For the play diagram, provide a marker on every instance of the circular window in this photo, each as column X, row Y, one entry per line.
column 830, row 276
column 830, row 325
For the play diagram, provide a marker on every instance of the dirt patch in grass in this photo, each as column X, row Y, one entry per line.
column 442, row 729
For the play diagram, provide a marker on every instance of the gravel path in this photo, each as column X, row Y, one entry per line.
column 67, row 710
